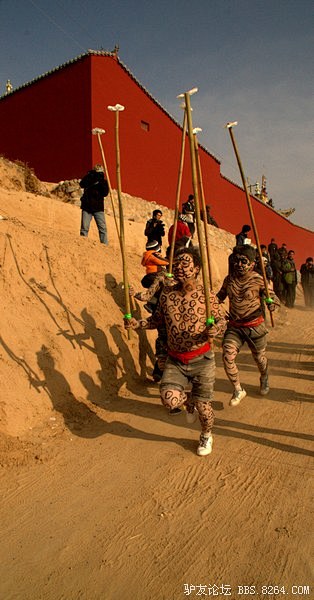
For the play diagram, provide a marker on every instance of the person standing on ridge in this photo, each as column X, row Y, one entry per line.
column 242, row 236
column 155, row 228
column 272, row 248
column 188, row 210
column 92, row 202
column 182, row 231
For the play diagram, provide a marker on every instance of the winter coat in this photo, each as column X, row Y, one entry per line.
column 154, row 231
column 182, row 230
column 289, row 272
column 95, row 189
column 153, row 261
column 188, row 209
column 272, row 249
column 240, row 237
column 307, row 275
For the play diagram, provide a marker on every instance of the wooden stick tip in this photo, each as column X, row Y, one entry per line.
column 98, row 130
column 229, row 125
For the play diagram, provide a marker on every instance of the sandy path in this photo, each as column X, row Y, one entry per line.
column 118, row 506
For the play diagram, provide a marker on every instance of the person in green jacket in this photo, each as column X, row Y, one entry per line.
column 289, row 279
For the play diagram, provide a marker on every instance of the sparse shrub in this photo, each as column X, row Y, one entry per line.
column 32, row 183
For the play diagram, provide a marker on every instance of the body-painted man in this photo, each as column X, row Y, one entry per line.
column 245, row 290
column 191, row 358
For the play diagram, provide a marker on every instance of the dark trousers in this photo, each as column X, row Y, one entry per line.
column 308, row 291
column 290, row 294
column 191, row 227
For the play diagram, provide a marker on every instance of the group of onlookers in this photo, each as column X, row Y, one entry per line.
column 284, row 275
column 279, row 263
column 184, row 228
column 280, row 268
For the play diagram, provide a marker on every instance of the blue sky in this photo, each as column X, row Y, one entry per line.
column 252, row 61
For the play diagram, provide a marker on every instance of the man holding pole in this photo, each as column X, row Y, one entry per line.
column 182, row 309
column 245, row 290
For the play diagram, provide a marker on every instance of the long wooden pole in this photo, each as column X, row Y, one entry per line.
column 117, row 108
column 179, row 182
column 203, row 204
column 209, row 317
column 268, row 300
column 97, row 131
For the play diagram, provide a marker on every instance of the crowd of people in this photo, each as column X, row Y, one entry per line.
column 177, row 306
column 281, row 271
column 185, row 361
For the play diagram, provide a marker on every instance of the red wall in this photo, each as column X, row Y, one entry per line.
column 149, row 159
column 48, row 124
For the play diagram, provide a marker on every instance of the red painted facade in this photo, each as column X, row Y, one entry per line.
column 47, row 123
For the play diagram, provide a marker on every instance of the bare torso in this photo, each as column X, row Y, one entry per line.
column 184, row 313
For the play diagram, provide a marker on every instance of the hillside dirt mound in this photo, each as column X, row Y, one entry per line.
column 103, row 496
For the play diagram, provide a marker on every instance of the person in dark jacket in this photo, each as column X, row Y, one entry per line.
column 95, row 188
column 155, row 228
column 276, row 265
column 188, row 209
column 267, row 265
column 307, row 281
column 242, row 236
column 272, row 248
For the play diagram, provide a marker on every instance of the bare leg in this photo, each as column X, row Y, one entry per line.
column 206, row 416
column 261, row 360
column 230, row 352
column 172, row 398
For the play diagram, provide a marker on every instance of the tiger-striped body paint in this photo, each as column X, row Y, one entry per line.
column 245, row 291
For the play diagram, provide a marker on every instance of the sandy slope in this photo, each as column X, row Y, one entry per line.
column 103, row 496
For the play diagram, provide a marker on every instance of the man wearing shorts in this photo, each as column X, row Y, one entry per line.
column 246, row 291
column 190, row 358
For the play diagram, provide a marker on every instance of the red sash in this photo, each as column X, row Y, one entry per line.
column 185, row 357
column 253, row 323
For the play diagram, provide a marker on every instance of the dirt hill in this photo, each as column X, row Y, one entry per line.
column 59, row 289
column 103, row 494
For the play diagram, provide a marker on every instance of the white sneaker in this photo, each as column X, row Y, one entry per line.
column 205, row 446
column 237, row 396
column 191, row 417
